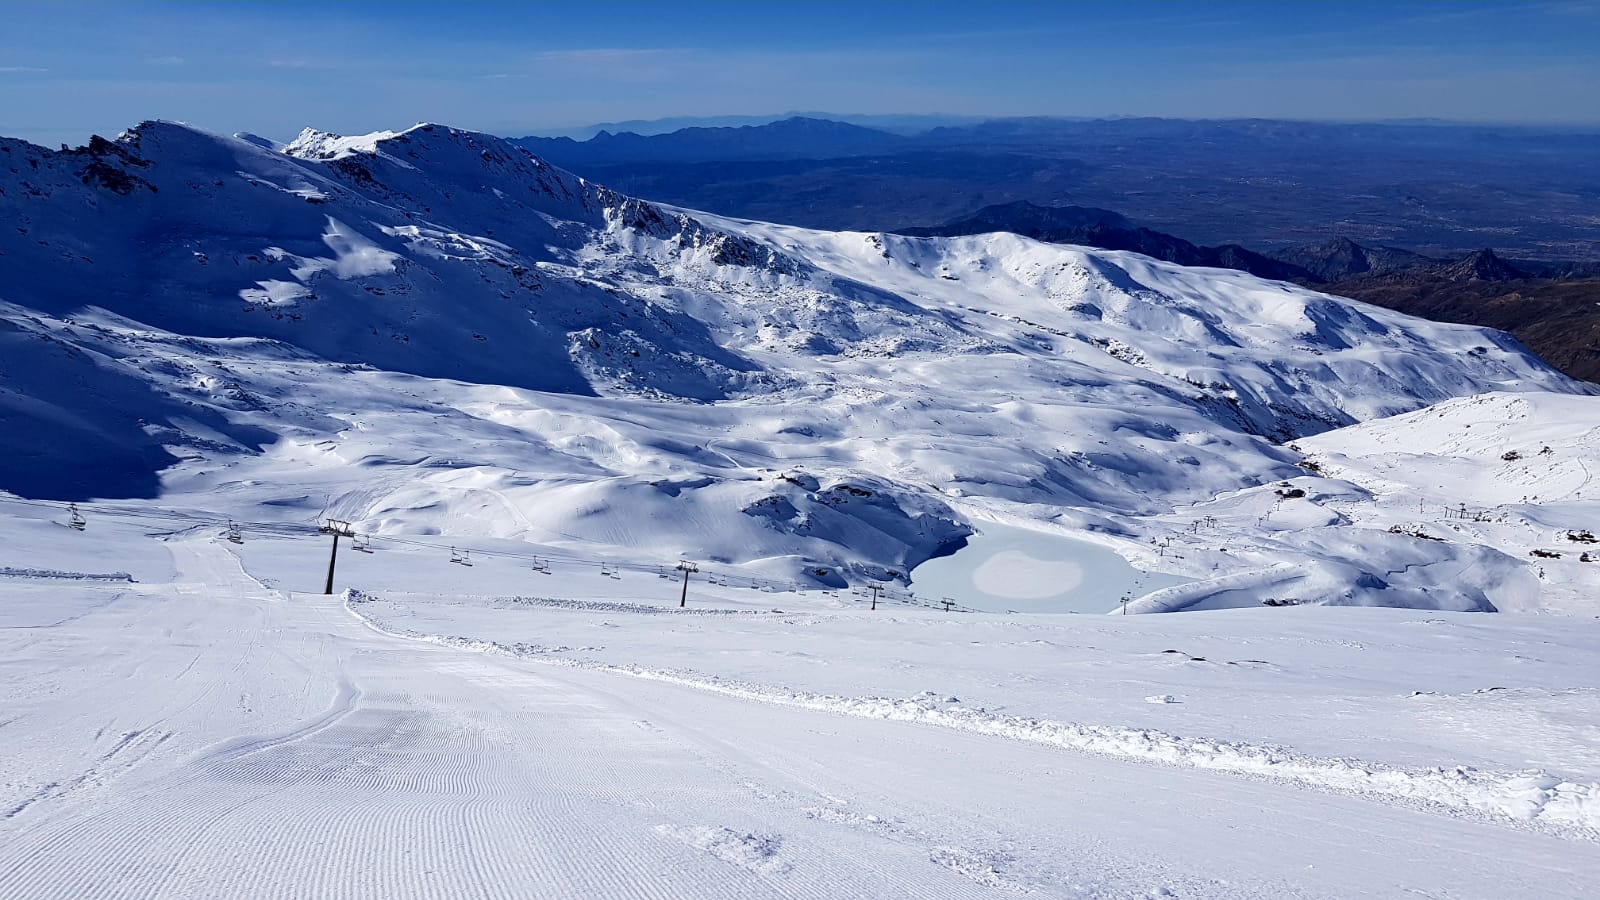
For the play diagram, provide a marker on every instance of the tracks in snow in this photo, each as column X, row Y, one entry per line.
column 1536, row 798
column 414, row 770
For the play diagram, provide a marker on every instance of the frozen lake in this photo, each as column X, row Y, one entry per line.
column 1009, row 569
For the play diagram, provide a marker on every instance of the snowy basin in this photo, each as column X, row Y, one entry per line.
column 1009, row 569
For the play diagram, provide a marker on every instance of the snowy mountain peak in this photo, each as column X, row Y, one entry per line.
column 324, row 145
column 313, row 144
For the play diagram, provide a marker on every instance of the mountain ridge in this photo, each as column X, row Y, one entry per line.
column 796, row 137
column 1110, row 231
column 434, row 331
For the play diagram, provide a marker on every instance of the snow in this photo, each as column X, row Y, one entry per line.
column 431, row 331
column 465, row 352
column 415, row 744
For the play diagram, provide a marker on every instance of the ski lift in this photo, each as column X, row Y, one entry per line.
column 462, row 557
column 361, row 544
column 609, row 571
column 78, row 523
column 661, row 572
column 541, row 566
column 234, row 534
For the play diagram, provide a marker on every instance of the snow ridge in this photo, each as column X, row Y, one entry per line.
column 25, row 572
column 1534, row 797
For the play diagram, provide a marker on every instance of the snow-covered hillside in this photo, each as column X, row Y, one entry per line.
column 434, row 332
column 532, row 397
column 1512, row 472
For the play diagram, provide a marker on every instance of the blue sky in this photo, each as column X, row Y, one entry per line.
column 71, row 68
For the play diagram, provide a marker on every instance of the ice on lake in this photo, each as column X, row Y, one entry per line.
column 1005, row 568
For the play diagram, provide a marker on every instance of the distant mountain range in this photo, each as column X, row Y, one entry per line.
column 1440, row 189
column 793, row 138
column 1341, row 257
column 908, row 123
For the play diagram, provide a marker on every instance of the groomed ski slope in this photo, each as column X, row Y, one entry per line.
column 195, row 733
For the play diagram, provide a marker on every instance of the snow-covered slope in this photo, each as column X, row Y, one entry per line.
column 435, row 332
column 1513, row 472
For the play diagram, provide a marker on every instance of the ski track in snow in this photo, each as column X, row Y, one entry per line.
column 23, row 572
column 1536, row 798
column 297, row 749
column 399, row 787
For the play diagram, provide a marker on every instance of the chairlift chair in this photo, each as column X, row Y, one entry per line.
column 361, row 543
column 234, row 534
column 78, row 522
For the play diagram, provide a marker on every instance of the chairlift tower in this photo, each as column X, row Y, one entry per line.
column 687, row 568
column 338, row 528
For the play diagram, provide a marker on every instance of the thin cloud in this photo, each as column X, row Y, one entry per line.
column 1573, row 9
column 21, row 70
column 592, row 56
column 165, row 61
